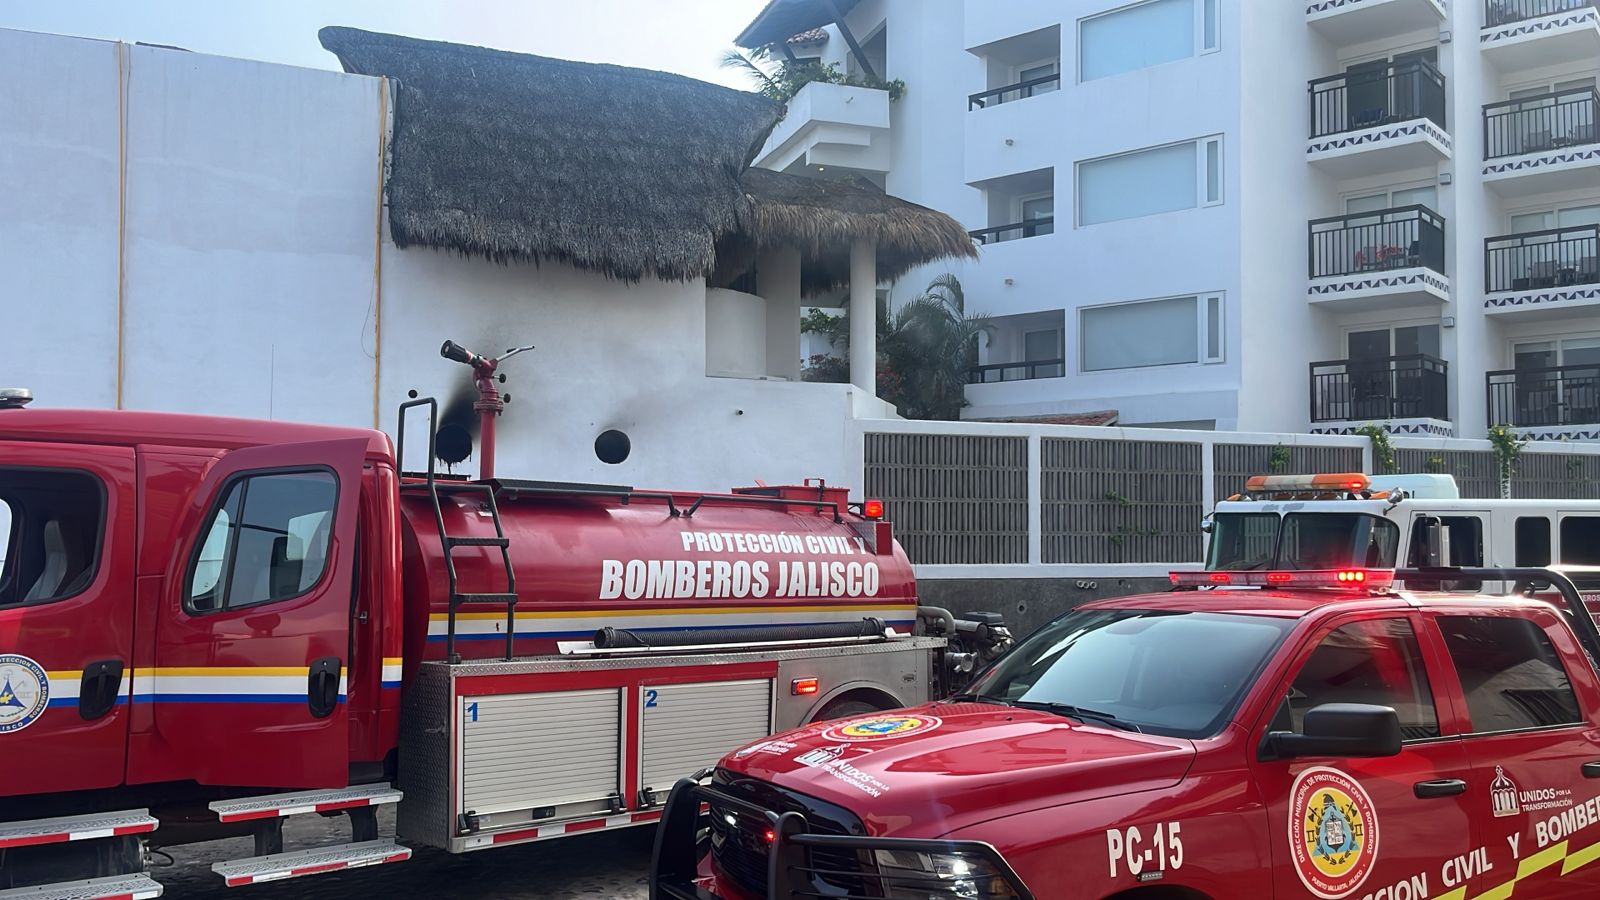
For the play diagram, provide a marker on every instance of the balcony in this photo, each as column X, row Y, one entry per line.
column 1549, row 404
column 1535, row 145
column 996, row 373
column 1348, row 22
column 1529, row 34
column 1013, row 92
column 1000, row 233
column 1404, row 394
column 1543, row 273
column 831, row 125
column 1378, row 120
column 1383, row 259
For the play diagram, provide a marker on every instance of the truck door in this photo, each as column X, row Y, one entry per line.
column 248, row 682
column 67, row 525
column 1534, row 744
column 1348, row 827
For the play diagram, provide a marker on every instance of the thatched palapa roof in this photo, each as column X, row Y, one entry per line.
column 823, row 217
column 627, row 172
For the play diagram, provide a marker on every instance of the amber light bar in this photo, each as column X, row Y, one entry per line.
column 1349, row 579
column 1342, row 481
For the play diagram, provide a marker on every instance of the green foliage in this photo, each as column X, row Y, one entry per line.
column 1436, row 463
column 1382, row 448
column 1507, row 446
column 781, row 81
column 1118, row 498
column 1279, row 459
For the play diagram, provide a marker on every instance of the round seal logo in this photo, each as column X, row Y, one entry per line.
column 877, row 728
column 24, row 692
column 1333, row 832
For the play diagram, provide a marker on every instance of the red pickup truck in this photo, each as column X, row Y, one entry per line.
column 1321, row 734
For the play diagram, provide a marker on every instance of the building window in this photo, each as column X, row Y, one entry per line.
column 1143, row 35
column 1168, row 332
column 1555, row 217
column 1040, row 70
column 1037, row 214
column 268, row 540
column 1150, row 182
column 1510, row 673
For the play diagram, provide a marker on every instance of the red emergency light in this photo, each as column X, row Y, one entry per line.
column 872, row 509
column 802, row 686
column 1349, row 579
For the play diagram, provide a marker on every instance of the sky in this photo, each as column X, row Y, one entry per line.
column 683, row 36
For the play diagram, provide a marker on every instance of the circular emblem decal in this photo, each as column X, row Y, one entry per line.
column 1333, row 832
column 24, row 692
column 877, row 728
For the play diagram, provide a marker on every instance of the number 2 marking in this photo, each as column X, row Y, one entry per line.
column 472, row 710
column 650, row 699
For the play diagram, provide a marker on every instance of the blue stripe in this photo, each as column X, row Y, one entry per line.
column 72, row 702
column 225, row 698
column 589, row 632
column 391, row 684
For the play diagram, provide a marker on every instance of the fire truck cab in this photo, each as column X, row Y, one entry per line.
column 1284, row 733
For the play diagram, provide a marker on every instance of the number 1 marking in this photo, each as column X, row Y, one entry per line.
column 472, row 710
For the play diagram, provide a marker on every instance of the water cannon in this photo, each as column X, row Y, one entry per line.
column 489, row 404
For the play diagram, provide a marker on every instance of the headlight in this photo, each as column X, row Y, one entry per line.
column 911, row 875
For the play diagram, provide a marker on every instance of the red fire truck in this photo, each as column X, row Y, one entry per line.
column 208, row 625
column 1350, row 733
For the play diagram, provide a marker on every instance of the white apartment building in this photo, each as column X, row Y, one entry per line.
column 1263, row 215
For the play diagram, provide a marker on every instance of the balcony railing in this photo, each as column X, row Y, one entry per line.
column 1557, row 395
column 1394, row 387
column 1556, row 257
column 1504, row 12
column 1021, row 371
column 1399, row 238
column 1010, row 92
column 1362, row 99
column 1028, row 229
column 1539, row 124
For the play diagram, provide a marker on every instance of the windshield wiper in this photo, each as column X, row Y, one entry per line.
column 976, row 698
column 1078, row 712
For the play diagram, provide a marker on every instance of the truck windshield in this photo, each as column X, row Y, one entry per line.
column 1301, row 541
column 1158, row 671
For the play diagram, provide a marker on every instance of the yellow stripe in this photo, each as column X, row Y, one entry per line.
column 1581, row 858
column 1500, row 892
column 394, row 660
column 65, row 674
column 221, row 671
column 695, row 611
column 1541, row 860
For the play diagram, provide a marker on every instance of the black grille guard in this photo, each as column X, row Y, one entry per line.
column 675, row 861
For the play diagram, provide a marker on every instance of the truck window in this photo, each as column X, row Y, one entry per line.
column 1466, row 541
column 50, row 534
column 267, row 540
column 1580, row 541
column 1533, row 541
column 1166, row 672
column 1241, row 541
column 1376, row 662
column 1510, row 672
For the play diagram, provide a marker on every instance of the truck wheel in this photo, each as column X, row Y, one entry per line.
column 844, row 708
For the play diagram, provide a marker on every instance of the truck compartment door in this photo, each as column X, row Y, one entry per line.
column 248, row 675
column 67, row 527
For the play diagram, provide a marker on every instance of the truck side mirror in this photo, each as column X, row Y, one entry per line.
column 1431, row 544
column 1339, row 729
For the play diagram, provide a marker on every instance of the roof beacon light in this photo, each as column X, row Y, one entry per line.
column 15, row 398
column 872, row 509
column 1347, row 579
column 1274, row 484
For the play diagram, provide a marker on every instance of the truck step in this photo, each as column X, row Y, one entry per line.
column 75, row 828
column 277, row 805
column 118, row 887
column 477, row 542
column 486, row 598
column 316, row 861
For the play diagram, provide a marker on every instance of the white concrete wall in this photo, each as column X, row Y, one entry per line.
column 736, row 334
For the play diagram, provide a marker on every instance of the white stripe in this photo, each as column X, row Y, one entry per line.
column 698, row 619
column 392, row 672
column 149, row 685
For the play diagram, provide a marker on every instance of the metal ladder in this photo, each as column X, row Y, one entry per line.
column 449, row 542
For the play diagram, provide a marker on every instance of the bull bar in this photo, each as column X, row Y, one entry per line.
column 675, row 861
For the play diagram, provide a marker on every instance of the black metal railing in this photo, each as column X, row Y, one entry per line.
column 1504, row 12
column 1018, row 91
column 1020, row 371
column 1362, row 99
column 1383, row 387
column 1554, row 395
column 1555, row 257
column 1400, row 238
column 1017, row 231
column 1539, row 124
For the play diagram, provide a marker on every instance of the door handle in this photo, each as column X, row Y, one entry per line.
column 1591, row 770
column 322, row 686
column 98, row 688
column 1439, row 787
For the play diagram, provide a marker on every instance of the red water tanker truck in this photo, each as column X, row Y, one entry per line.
column 210, row 624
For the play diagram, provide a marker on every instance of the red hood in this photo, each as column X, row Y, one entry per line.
column 932, row 769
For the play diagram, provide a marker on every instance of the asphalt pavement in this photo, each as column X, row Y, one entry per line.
column 588, row 866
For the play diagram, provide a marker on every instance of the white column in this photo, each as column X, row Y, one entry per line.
column 864, row 316
column 778, row 283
